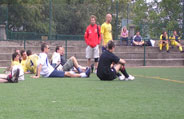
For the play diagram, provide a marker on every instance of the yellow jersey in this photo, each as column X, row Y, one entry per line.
column 13, row 63
column 106, row 30
column 163, row 38
column 175, row 38
column 31, row 63
column 23, row 63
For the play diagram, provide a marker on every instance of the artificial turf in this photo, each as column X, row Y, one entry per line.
column 90, row 98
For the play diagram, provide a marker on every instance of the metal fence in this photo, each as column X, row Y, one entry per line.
column 39, row 19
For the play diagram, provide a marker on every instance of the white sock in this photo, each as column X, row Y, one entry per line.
column 83, row 75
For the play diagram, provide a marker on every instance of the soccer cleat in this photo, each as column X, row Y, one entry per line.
column 88, row 72
column 131, row 78
column 15, row 76
column 121, row 78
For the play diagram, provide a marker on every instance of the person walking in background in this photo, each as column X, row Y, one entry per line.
column 92, row 38
column 175, row 41
column 106, row 31
column 124, row 35
column 164, row 41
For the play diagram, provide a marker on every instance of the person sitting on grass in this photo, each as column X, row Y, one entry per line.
column 137, row 40
column 175, row 41
column 110, row 65
column 24, row 60
column 46, row 70
column 58, row 58
column 31, row 63
column 16, row 71
column 13, row 77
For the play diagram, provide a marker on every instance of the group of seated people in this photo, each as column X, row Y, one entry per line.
column 24, row 62
column 173, row 40
column 136, row 40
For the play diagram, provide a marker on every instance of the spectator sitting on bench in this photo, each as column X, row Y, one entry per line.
column 124, row 35
column 137, row 40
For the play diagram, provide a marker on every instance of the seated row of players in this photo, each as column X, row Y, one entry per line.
column 174, row 41
column 26, row 62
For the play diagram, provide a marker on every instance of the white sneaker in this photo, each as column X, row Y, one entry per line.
column 131, row 78
column 121, row 78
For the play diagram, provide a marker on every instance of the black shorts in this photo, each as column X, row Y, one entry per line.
column 108, row 77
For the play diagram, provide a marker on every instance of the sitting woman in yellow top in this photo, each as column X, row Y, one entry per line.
column 164, row 41
column 175, row 40
column 15, row 59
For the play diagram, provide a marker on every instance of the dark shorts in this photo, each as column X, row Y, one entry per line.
column 108, row 77
column 57, row 73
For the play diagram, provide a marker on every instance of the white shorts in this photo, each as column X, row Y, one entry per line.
column 92, row 52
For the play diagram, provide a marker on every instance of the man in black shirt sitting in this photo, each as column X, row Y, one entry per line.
column 110, row 65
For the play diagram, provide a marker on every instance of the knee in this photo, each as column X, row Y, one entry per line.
column 72, row 58
column 96, row 59
column 67, row 74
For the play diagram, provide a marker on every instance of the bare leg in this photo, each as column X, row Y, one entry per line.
column 3, row 81
column 89, row 62
column 68, row 74
column 3, row 76
column 96, row 65
column 76, row 64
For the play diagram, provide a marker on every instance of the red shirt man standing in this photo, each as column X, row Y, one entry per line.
column 92, row 38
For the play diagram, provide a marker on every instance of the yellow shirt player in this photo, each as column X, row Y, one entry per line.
column 164, row 41
column 23, row 63
column 106, row 31
column 31, row 63
column 175, row 41
column 24, row 59
column 15, row 60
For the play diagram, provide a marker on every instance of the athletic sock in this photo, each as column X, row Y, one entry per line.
column 79, row 70
column 118, row 74
column 123, row 71
column 83, row 75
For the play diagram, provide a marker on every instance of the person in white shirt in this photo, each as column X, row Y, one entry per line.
column 67, row 65
column 46, row 70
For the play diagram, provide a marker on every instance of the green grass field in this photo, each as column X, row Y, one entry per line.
column 156, row 93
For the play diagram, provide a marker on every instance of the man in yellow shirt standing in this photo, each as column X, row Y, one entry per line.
column 106, row 31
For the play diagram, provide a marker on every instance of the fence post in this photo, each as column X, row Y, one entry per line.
column 50, row 19
column 66, row 48
column 144, row 53
column 24, row 44
column 117, row 11
column 183, row 19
